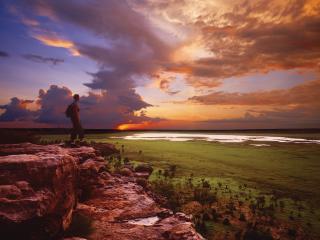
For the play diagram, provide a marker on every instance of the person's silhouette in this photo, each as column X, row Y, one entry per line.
column 77, row 130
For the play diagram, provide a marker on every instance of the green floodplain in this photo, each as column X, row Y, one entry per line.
column 287, row 171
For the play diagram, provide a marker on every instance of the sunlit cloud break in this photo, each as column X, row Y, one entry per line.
column 54, row 41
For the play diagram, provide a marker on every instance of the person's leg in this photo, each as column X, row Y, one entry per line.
column 73, row 134
column 81, row 132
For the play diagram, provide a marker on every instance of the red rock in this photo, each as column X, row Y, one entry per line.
column 39, row 190
column 75, row 238
column 126, row 172
column 114, row 206
column 144, row 175
column 37, row 193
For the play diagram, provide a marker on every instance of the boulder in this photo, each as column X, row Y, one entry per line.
column 123, row 210
column 37, row 194
column 126, row 172
column 143, row 171
column 105, row 149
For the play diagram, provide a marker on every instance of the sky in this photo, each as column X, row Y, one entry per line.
column 153, row 64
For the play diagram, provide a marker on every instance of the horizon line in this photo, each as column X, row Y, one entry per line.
column 148, row 129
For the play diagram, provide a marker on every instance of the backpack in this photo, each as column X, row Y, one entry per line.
column 68, row 111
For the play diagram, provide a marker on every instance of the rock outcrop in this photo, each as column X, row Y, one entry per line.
column 38, row 188
column 43, row 186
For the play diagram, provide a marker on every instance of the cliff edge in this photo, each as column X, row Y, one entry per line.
column 43, row 187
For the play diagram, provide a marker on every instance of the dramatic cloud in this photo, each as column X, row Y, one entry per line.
column 131, row 51
column 16, row 110
column 306, row 93
column 41, row 59
column 251, row 38
column 132, row 48
column 53, row 104
column 235, row 38
column 193, row 46
column 295, row 117
column 105, row 110
column 55, row 41
column 4, row 54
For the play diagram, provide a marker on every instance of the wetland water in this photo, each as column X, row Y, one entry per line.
column 223, row 138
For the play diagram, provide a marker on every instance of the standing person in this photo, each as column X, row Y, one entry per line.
column 73, row 113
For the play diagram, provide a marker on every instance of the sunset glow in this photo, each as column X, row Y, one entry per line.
column 59, row 43
column 133, row 126
column 162, row 64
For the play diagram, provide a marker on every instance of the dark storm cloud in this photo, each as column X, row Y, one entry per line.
column 105, row 110
column 131, row 51
column 133, row 47
column 16, row 109
column 4, row 54
column 112, row 19
column 53, row 103
column 41, row 59
column 120, row 65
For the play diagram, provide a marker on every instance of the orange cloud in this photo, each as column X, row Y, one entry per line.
column 134, row 126
column 248, row 38
column 306, row 93
column 54, row 41
column 179, row 69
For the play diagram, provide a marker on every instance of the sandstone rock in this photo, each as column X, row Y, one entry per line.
column 144, row 175
column 126, row 172
column 105, row 149
column 75, row 238
column 37, row 193
column 143, row 171
column 91, row 167
column 39, row 190
column 142, row 182
column 182, row 231
column 120, row 202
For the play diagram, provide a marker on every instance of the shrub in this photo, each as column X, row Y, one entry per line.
column 204, row 195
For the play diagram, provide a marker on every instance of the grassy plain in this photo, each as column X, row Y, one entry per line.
column 290, row 171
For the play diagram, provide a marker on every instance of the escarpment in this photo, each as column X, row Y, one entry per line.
column 43, row 188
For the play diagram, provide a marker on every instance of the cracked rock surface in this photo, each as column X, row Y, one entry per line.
column 42, row 186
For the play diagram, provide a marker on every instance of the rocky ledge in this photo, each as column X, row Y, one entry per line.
column 42, row 187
